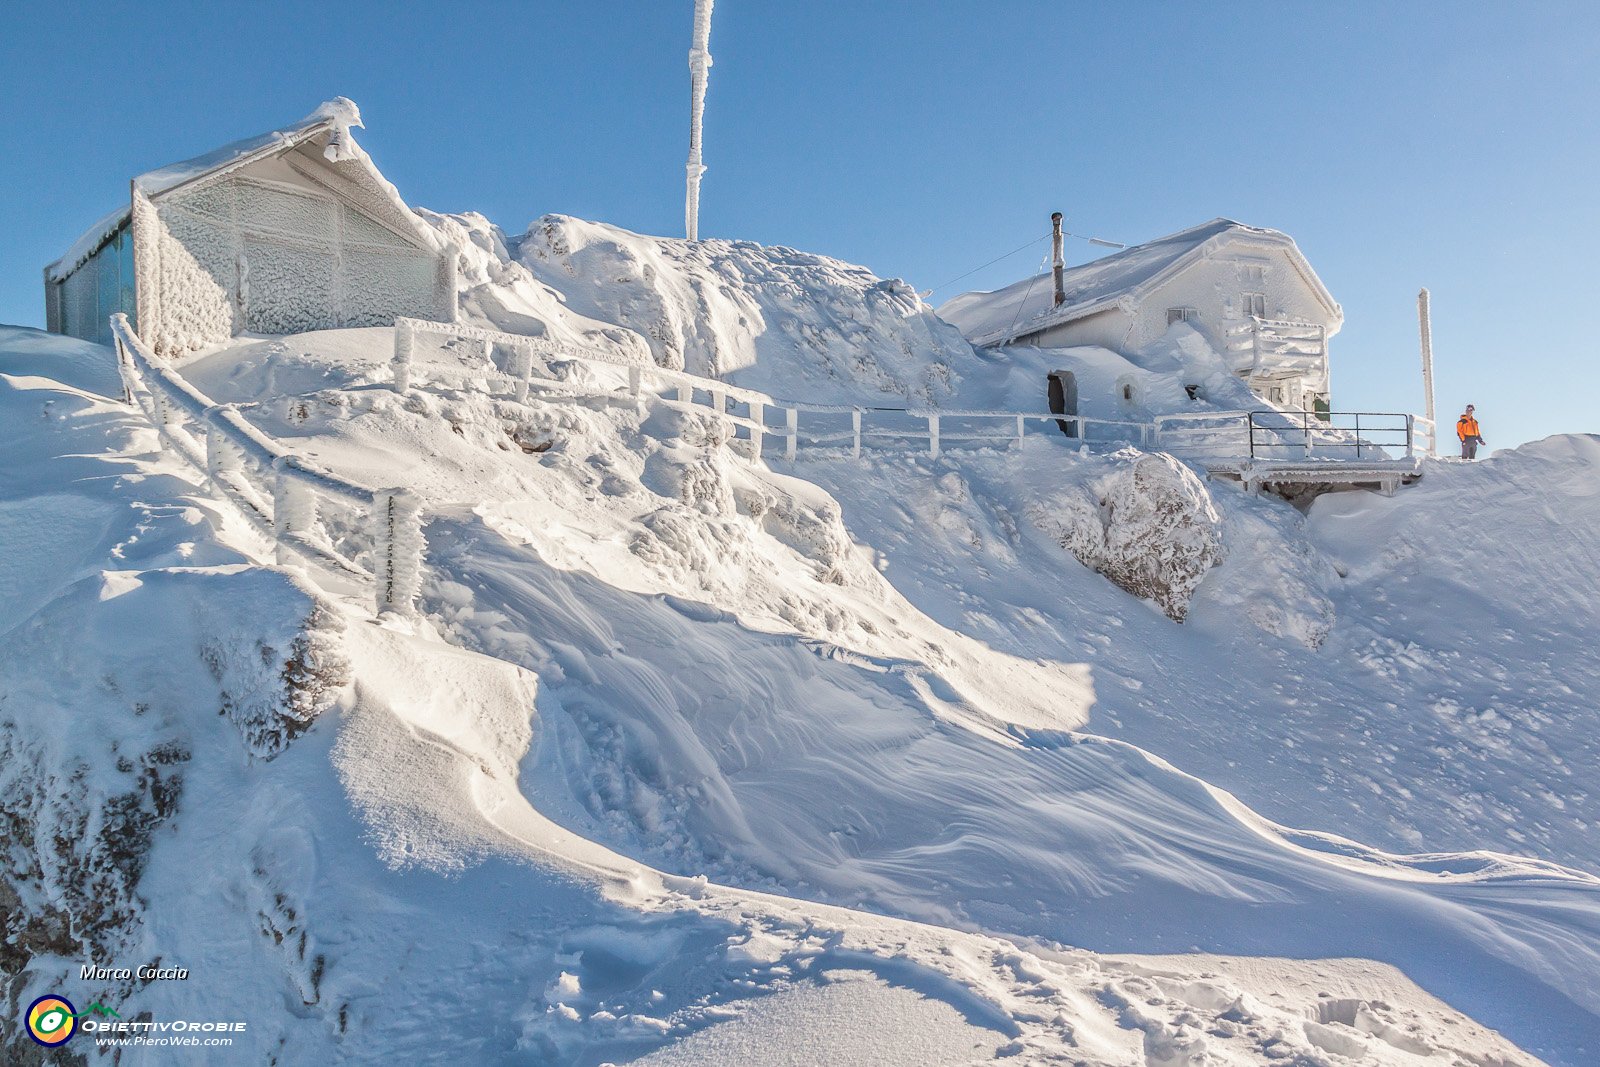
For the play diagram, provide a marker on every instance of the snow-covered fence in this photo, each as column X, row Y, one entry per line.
column 759, row 415
column 286, row 498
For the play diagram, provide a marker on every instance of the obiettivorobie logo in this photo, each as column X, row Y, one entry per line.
column 52, row 1020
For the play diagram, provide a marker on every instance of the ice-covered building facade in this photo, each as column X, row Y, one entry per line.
column 289, row 231
column 1248, row 291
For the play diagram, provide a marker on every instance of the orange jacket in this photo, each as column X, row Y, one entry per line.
column 1467, row 426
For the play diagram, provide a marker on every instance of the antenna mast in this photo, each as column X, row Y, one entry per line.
column 699, row 64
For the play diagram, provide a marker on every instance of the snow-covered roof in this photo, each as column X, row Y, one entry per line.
column 989, row 318
column 334, row 118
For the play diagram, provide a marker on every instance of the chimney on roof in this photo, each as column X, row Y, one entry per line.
column 1057, row 263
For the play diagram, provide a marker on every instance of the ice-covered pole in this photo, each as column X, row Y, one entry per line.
column 699, row 64
column 1058, row 261
column 1425, row 325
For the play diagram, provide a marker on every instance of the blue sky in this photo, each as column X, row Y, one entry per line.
column 1455, row 146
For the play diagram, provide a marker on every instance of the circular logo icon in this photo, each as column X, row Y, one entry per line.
column 52, row 1020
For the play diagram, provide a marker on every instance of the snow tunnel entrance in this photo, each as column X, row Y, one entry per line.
column 1063, row 385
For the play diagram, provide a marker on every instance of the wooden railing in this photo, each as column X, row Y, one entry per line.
column 351, row 531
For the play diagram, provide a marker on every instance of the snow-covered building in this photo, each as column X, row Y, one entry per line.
column 289, row 231
column 1248, row 291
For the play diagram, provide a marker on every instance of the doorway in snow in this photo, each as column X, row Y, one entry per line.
column 1063, row 394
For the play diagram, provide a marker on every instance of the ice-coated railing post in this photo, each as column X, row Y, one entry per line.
column 294, row 506
column 397, row 530
column 521, row 371
column 1411, row 444
column 221, row 454
column 162, row 413
column 634, row 376
column 719, row 401
column 401, row 363
column 855, row 433
column 933, row 435
column 124, row 371
column 758, row 416
column 791, row 418
column 685, row 394
column 1021, row 426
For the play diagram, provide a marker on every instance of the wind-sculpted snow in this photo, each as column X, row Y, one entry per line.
column 382, row 886
column 746, row 692
column 791, row 323
column 684, row 743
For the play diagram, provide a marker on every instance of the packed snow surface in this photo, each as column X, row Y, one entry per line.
column 702, row 758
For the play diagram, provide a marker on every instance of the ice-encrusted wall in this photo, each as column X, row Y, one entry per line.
column 277, row 249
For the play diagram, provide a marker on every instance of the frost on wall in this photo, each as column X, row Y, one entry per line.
column 1150, row 527
column 284, row 254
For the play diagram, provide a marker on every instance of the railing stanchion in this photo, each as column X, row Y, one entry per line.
column 792, row 423
column 521, row 371
column 933, row 435
column 1022, row 425
column 855, row 433
column 758, row 417
column 634, row 375
column 401, row 363
column 685, row 394
column 1358, row 435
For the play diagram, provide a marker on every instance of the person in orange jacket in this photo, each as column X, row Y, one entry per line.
column 1467, row 430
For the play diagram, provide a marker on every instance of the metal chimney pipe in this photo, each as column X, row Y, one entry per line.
column 1057, row 261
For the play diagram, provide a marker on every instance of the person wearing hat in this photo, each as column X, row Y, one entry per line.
column 1467, row 430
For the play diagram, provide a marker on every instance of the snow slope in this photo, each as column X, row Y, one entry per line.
column 379, row 887
column 668, row 594
column 688, row 752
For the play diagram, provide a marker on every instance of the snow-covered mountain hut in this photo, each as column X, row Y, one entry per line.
column 289, row 231
column 1248, row 291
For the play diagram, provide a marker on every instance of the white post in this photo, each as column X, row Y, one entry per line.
column 719, row 401
column 401, row 363
column 758, row 415
column 521, row 371
column 792, row 423
column 221, row 456
column 699, row 65
column 1425, row 325
column 685, row 394
column 855, row 434
column 397, row 529
column 634, row 376
column 933, row 436
column 1021, row 426
column 1411, row 436
column 294, row 506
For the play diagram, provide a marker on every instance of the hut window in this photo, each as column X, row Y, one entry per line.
column 1255, row 304
column 1181, row 315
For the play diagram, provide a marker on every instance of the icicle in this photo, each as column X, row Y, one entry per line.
column 699, row 64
